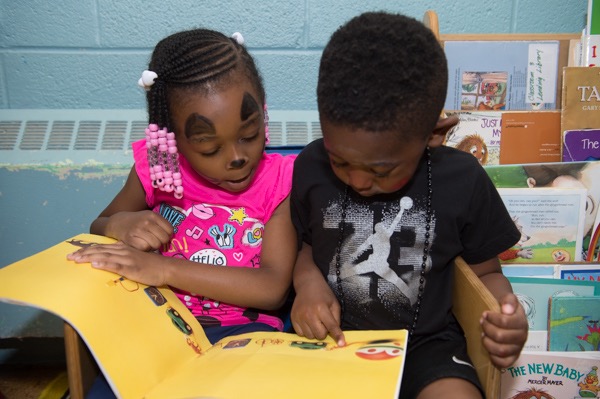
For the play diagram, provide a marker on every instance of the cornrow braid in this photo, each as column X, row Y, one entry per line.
column 193, row 60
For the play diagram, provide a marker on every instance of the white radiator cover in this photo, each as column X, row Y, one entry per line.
column 104, row 136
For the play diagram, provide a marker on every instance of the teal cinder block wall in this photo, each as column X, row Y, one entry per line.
column 89, row 54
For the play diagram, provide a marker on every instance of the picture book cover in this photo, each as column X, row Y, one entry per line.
column 530, row 137
column 552, row 375
column 149, row 345
column 580, row 98
column 579, row 271
column 533, row 294
column 568, row 271
column 540, row 270
column 501, row 75
column 581, row 145
column 573, row 324
column 556, row 174
column 591, row 35
column 551, row 222
column 478, row 133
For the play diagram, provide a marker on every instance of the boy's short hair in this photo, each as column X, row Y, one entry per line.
column 382, row 72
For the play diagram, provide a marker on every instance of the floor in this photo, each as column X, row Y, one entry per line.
column 33, row 382
column 33, row 368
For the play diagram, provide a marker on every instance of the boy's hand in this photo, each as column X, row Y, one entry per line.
column 120, row 258
column 505, row 333
column 144, row 230
column 316, row 312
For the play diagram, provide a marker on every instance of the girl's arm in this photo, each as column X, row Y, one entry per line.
column 128, row 219
column 504, row 333
column 264, row 288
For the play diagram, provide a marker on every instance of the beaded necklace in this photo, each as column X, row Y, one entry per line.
column 425, row 249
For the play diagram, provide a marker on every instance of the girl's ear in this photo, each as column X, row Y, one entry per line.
column 442, row 127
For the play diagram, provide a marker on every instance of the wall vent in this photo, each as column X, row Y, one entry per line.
column 82, row 136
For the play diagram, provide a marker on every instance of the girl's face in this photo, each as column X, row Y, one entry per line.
column 371, row 163
column 221, row 133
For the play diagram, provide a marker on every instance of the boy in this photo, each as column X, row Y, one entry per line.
column 382, row 208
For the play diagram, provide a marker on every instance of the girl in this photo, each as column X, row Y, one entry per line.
column 203, row 193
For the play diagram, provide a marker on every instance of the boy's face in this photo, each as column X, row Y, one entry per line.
column 371, row 163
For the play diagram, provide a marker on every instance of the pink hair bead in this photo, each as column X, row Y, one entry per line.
column 163, row 163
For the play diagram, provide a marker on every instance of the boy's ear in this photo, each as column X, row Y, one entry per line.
column 443, row 125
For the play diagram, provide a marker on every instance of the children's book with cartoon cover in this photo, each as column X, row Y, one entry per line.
column 556, row 175
column 501, row 75
column 147, row 344
column 478, row 133
column 534, row 294
column 573, row 323
column 552, row 375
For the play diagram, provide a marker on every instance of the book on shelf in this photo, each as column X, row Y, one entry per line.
column 534, row 294
column 530, row 137
column 132, row 327
column 580, row 98
column 551, row 222
column 581, row 145
column 478, row 133
column 573, row 323
column 589, row 271
column 590, row 38
column 584, row 174
column 502, row 75
column 551, row 375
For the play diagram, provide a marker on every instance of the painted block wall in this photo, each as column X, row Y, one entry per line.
column 89, row 54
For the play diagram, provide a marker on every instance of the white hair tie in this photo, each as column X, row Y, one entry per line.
column 237, row 36
column 147, row 79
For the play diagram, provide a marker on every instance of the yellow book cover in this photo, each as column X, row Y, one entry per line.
column 148, row 345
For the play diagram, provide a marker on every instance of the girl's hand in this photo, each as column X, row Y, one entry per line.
column 505, row 333
column 131, row 263
column 144, row 230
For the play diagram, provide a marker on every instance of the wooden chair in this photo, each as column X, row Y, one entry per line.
column 470, row 299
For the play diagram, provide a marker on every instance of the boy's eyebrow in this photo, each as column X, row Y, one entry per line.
column 198, row 124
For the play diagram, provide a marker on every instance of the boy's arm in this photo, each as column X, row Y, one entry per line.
column 504, row 333
column 316, row 310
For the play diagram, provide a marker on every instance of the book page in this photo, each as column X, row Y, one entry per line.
column 280, row 365
column 138, row 334
column 148, row 344
column 551, row 222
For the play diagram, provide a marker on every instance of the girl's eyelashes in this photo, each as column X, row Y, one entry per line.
column 251, row 138
column 242, row 139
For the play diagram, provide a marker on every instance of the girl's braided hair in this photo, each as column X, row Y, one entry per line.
column 195, row 60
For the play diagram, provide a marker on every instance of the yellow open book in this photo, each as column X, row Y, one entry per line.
column 148, row 345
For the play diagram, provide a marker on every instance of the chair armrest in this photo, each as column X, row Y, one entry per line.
column 470, row 299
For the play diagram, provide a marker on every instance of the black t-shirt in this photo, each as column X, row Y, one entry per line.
column 382, row 237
